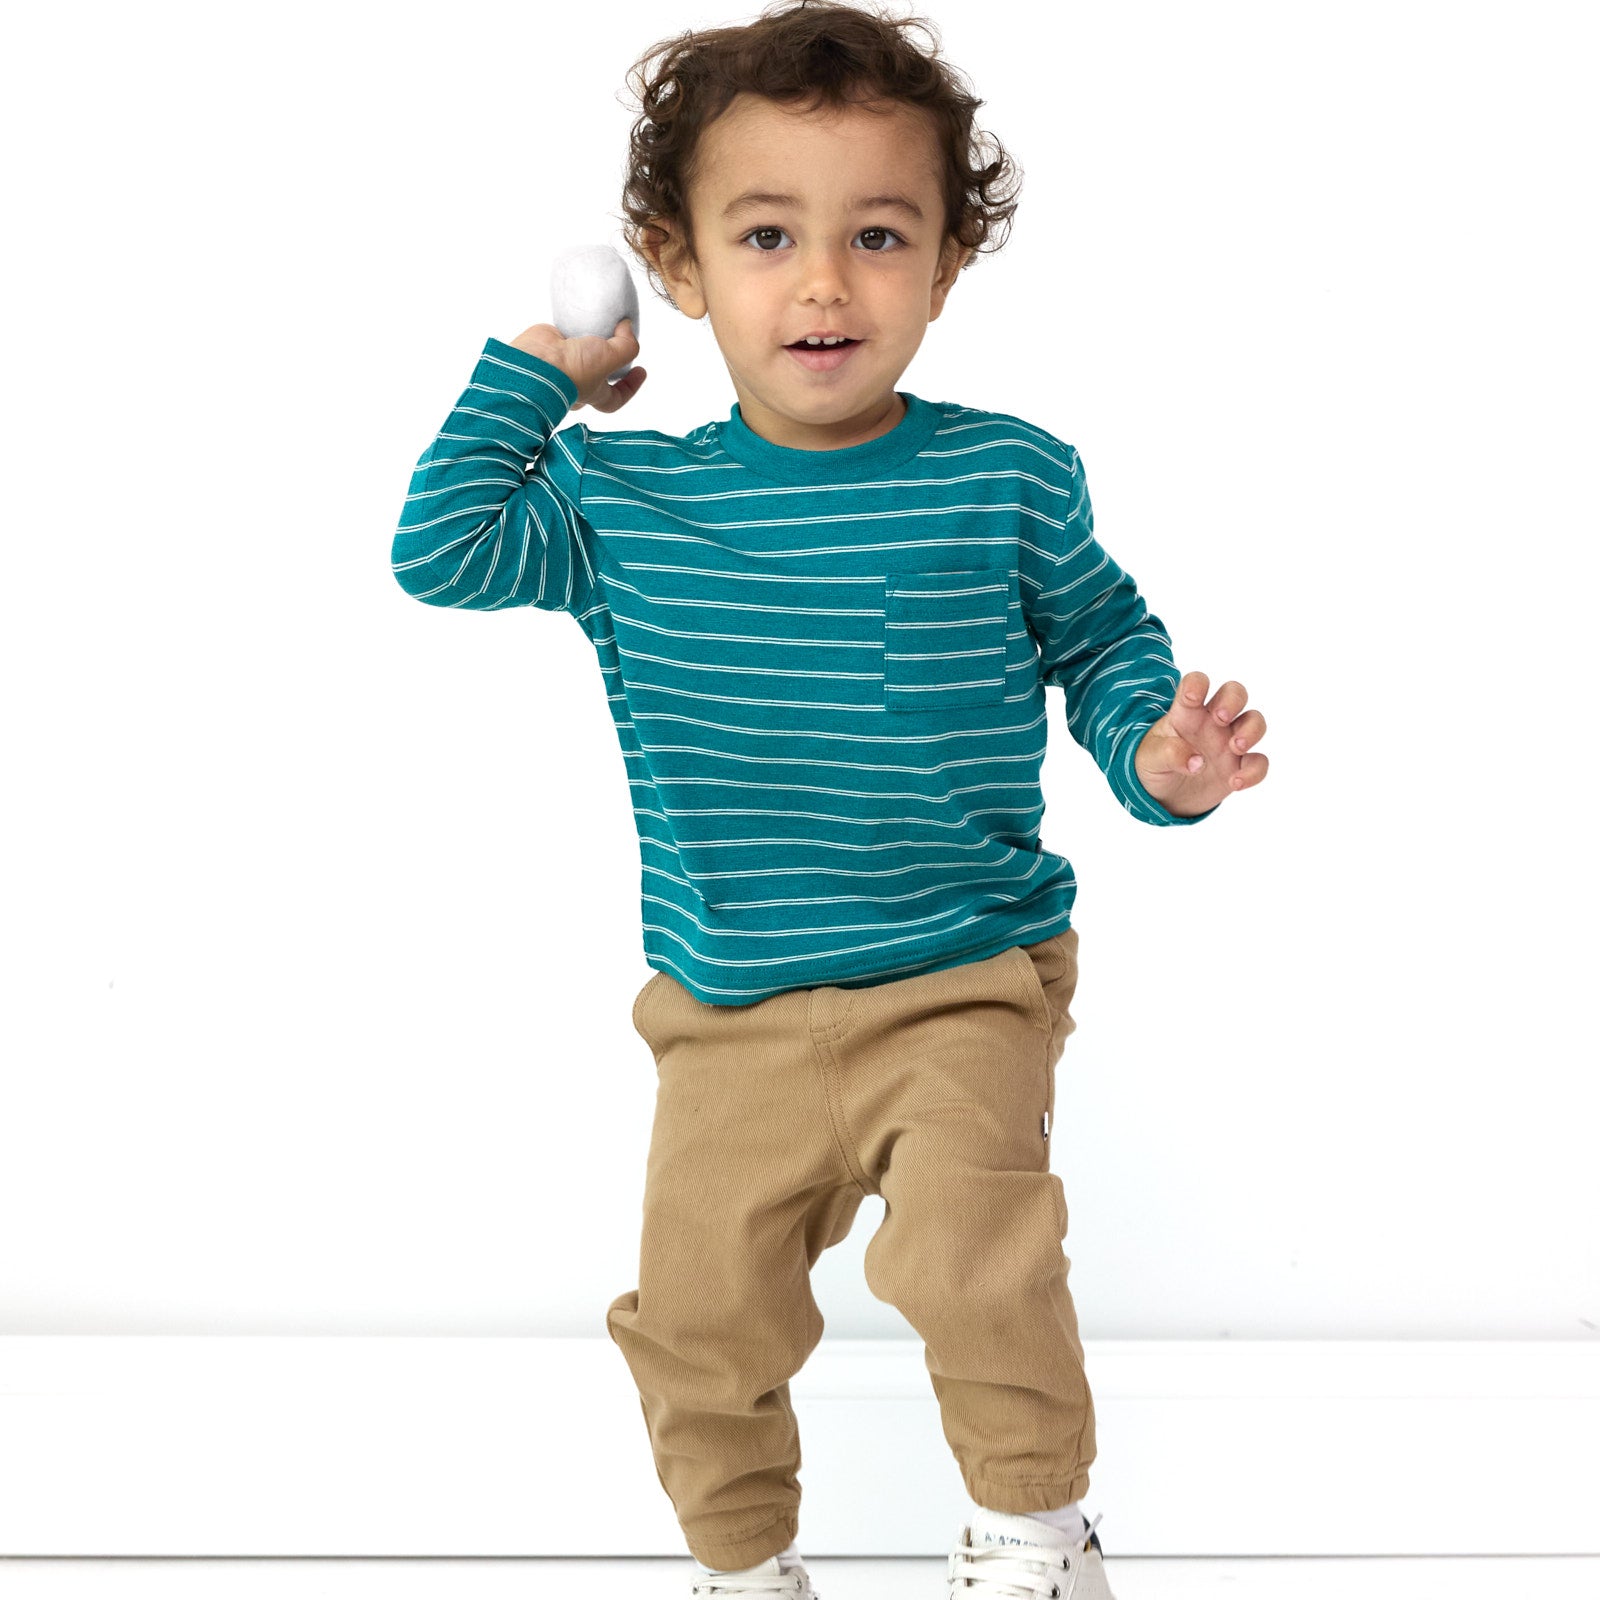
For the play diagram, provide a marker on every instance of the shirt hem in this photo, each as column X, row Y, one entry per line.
column 1052, row 928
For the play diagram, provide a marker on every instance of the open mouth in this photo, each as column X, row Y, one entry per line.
column 822, row 357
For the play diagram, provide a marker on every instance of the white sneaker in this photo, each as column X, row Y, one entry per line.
column 765, row 1578
column 1005, row 1556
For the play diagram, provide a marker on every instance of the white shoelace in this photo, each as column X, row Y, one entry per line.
column 1010, row 1571
column 791, row 1583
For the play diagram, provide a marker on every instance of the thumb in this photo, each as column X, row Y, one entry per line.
column 1167, row 752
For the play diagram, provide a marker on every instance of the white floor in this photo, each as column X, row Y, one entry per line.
column 1404, row 1578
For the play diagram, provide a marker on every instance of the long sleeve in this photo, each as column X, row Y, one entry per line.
column 493, row 517
column 1097, row 639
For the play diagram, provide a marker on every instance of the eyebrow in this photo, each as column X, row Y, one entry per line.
column 757, row 200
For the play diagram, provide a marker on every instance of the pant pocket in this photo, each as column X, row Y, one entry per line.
column 1055, row 970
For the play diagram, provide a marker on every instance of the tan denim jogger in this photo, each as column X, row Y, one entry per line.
column 772, row 1121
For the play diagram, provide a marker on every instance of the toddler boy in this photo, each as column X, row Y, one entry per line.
column 826, row 625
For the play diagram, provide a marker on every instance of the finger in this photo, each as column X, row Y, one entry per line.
column 1192, row 688
column 1228, row 702
column 1247, row 731
column 604, row 396
column 623, row 390
column 1251, row 771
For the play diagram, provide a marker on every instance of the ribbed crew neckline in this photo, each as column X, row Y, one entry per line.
column 792, row 465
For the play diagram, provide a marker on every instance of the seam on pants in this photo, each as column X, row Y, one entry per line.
column 745, row 1538
column 822, row 1042
column 1077, row 1444
column 1039, row 1002
column 1055, row 1021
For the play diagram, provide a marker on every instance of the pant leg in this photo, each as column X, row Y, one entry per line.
column 744, row 1190
column 947, row 1082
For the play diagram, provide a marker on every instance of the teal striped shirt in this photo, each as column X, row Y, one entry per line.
column 826, row 667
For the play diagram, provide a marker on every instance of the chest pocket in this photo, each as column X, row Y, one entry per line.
column 944, row 639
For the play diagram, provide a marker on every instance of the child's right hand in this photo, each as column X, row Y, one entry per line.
column 587, row 359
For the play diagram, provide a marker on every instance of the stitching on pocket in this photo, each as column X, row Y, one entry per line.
column 1035, row 986
column 944, row 639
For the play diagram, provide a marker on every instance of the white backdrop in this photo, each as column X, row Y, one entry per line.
column 320, row 906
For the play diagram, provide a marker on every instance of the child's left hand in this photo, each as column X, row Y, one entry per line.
column 1216, row 734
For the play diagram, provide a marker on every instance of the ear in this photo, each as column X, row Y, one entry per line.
column 682, row 278
column 954, row 257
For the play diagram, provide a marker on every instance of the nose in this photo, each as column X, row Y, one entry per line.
column 824, row 275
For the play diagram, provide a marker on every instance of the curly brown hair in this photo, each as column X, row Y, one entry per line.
column 812, row 54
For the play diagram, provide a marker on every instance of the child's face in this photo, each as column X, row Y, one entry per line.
column 773, row 271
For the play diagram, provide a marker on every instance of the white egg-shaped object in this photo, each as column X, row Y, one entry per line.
column 591, row 291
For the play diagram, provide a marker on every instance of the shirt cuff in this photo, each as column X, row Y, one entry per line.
column 1135, row 797
column 537, row 365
